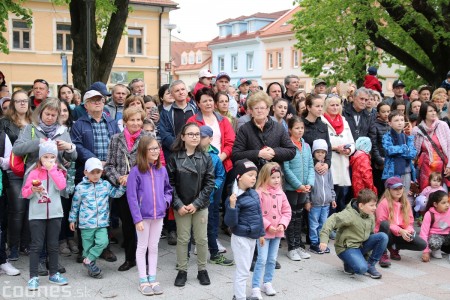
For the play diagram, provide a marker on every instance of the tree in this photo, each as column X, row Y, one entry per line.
column 345, row 36
column 107, row 16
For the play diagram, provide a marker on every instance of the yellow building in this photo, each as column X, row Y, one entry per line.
column 37, row 52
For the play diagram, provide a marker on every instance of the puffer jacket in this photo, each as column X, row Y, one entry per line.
column 90, row 203
column 322, row 193
column 353, row 228
column 192, row 183
column 406, row 151
column 300, row 170
column 149, row 194
column 362, row 177
column 246, row 218
column 378, row 153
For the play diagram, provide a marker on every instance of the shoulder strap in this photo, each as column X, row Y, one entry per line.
column 435, row 147
column 32, row 137
column 432, row 219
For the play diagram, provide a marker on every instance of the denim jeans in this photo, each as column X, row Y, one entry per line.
column 213, row 221
column 317, row 217
column 354, row 257
column 267, row 257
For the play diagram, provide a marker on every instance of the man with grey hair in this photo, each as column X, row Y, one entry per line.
column 291, row 83
column 137, row 87
column 361, row 122
column 172, row 120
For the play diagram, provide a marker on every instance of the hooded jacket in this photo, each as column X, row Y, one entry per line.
column 322, row 193
column 441, row 225
column 353, row 227
column 382, row 214
column 362, row 177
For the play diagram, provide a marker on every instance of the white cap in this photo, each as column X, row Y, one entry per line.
column 205, row 73
column 90, row 94
column 92, row 164
column 320, row 144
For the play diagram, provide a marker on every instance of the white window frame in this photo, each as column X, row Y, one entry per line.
column 234, row 63
column 279, row 60
column 191, row 60
column 270, row 60
column 251, row 26
column 235, row 29
column 295, row 58
column 135, row 39
column 198, row 57
column 184, row 58
column 21, row 33
column 250, row 61
column 65, row 35
column 221, row 63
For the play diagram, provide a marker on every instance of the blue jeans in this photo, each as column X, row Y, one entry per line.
column 317, row 217
column 354, row 257
column 213, row 221
column 267, row 257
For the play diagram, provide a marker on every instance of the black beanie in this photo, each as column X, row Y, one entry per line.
column 243, row 166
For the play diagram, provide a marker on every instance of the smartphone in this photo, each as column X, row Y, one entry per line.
column 347, row 146
column 153, row 111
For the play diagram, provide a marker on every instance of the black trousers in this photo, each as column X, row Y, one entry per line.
column 128, row 228
column 417, row 244
column 294, row 230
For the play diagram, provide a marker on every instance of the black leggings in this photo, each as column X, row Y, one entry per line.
column 417, row 244
column 294, row 230
column 128, row 228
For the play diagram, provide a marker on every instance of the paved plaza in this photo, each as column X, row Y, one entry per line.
column 320, row 277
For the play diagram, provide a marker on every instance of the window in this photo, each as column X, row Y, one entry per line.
column 235, row 29
column 63, row 38
column 270, row 60
column 223, row 31
column 135, row 40
column 221, row 64
column 21, row 35
column 191, row 58
column 295, row 63
column 279, row 60
column 251, row 26
column 250, row 61
column 234, row 62
column 199, row 57
column 184, row 58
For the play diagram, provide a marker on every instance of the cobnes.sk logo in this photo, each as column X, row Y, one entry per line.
column 51, row 291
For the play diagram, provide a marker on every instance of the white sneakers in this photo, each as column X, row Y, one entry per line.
column 222, row 249
column 436, row 253
column 256, row 293
column 268, row 289
column 293, row 255
column 9, row 269
column 303, row 254
column 298, row 254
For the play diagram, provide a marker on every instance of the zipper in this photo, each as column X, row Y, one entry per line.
column 323, row 189
column 48, row 193
column 153, row 189
column 95, row 199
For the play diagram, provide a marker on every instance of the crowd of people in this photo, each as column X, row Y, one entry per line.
column 359, row 168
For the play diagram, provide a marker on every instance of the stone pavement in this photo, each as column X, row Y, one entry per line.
column 320, row 277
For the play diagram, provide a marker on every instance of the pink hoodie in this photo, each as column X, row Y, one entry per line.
column 382, row 214
column 441, row 225
column 275, row 210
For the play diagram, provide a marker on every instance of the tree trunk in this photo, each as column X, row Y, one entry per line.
column 102, row 58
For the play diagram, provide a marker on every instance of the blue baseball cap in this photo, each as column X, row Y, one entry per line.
column 206, row 131
column 99, row 87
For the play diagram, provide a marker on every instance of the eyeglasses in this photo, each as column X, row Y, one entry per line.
column 192, row 135
column 153, row 149
column 363, row 99
column 259, row 108
column 96, row 100
column 21, row 101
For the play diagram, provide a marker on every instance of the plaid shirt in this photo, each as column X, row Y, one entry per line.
column 101, row 137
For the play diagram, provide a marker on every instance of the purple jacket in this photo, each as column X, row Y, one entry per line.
column 149, row 194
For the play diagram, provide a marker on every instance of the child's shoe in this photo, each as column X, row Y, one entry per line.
column 93, row 270
column 13, row 254
column 315, row 249
column 256, row 293
column 327, row 250
column 302, row 252
column 58, row 279
column 222, row 249
column 395, row 255
column 348, row 270
column 220, row 259
column 373, row 272
column 145, row 287
column 156, row 287
column 9, row 269
column 73, row 247
column 33, row 284
column 436, row 253
column 42, row 268
column 293, row 255
column 384, row 260
column 64, row 249
column 268, row 289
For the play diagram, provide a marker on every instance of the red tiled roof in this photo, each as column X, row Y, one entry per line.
column 156, row 2
column 280, row 26
column 193, row 67
column 245, row 35
column 259, row 15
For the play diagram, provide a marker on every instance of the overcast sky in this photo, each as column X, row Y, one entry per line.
column 196, row 19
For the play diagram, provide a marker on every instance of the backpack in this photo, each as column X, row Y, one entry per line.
column 17, row 163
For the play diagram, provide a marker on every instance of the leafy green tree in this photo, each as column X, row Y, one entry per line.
column 345, row 37
column 108, row 20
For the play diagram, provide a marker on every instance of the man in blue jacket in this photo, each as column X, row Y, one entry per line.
column 91, row 134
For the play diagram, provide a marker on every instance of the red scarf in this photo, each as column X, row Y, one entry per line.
column 337, row 123
column 131, row 138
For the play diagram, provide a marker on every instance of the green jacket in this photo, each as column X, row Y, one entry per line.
column 352, row 228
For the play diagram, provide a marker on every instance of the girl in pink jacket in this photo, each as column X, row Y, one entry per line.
column 276, row 217
column 394, row 217
column 436, row 225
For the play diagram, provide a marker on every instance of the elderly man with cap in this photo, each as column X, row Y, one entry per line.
column 40, row 92
column 80, row 110
column 223, row 85
column 91, row 134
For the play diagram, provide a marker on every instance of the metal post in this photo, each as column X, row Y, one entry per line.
column 88, row 43
column 170, row 27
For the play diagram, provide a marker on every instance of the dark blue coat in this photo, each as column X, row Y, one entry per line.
column 246, row 218
column 83, row 137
